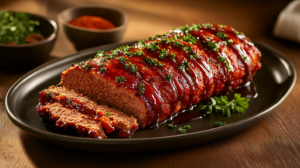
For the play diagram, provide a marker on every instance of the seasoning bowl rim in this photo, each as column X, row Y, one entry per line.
column 65, row 23
column 46, row 40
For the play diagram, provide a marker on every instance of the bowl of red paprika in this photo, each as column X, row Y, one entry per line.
column 90, row 26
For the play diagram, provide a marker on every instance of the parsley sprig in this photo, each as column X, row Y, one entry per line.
column 238, row 104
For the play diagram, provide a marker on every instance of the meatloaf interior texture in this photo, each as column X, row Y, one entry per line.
column 70, row 120
column 155, row 78
column 111, row 119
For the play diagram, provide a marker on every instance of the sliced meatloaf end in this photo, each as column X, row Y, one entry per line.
column 104, row 91
column 70, row 120
column 112, row 120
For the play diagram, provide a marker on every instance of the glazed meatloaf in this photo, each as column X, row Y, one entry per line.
column 70, row 120
column 155, row 78
column 111, row 119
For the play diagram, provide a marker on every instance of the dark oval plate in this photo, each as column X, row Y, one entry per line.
column 274, row 82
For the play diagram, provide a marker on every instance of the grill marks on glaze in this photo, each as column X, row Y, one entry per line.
column 203, row 76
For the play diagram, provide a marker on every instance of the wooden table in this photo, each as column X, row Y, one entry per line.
column 273, row 142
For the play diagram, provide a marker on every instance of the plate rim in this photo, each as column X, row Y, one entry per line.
column 65, row 138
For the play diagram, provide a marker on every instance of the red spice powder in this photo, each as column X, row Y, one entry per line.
column 92, row 22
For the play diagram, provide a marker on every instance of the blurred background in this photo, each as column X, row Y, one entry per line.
column 255, row 18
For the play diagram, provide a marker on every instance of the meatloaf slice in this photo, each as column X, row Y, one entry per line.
column 58, row 116
column 111, row 119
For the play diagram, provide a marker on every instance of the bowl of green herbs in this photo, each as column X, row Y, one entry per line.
column 26, row 40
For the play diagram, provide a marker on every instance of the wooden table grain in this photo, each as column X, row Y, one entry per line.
column 273, row 142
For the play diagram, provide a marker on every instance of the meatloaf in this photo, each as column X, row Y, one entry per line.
column 155, row 78
column 111, row 119
column 70, row 120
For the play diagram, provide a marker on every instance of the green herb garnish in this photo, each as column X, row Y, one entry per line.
column 219, row 123
column 169, row 78
column 237, row 33
column 48, row 94
column 141, row 88
column 163, row 54
column 184, row 128
column 221, row 35
column 122, row 59
column 230, row 41
column 244, row 57
column 108, row 114
column 172, row 125
column 221, row 26
column 15, row 26
column 220, row 59
column 213, row 45
column 238, row 104
column 120, row 79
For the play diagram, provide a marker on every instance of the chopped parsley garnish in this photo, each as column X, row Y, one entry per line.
column 230, row 41
column 238, row 104
column 99, row 53
column 237, row 33
column 221, row 59
column 69, row 101
column 244, row 57
column 169, row 78
column 221, row 26
column 173, row 55
column 184, row 65
column 189, row 38
column 132, row 68
column 153, row 46
column 120, row 79
column 48, row 94
column 128, row 53
column 163, row 54
column 122, row 59
column 153, row 61
column 207, row 25
column 72, row 64
column 184, row 128
column 103, row 69
column 219, row 123
column 141, row 88
column 213, row 45
column 15, row 26
column 171, row 125
column 160, row 64
column 187, row 48
column 221, row 35
column 181, row 130
column 108, row 114
column 139, row 53
column 227, row 65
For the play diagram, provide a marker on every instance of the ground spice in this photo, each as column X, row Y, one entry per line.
column 92, row 22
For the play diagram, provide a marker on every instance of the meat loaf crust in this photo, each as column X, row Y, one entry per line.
column 70, row 120
column 111, row 119
column 155, row 78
